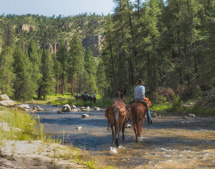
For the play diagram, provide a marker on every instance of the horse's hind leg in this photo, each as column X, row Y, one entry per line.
column 135, row 131
column 112, row 134
column 123, row 130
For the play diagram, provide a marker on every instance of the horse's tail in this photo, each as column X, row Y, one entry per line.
column 116, row 122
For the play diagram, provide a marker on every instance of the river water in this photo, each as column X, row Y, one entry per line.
column 171, row 142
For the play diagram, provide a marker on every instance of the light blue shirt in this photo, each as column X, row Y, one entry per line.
column 139, row 92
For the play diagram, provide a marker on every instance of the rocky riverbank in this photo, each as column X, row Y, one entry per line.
column 37, row 154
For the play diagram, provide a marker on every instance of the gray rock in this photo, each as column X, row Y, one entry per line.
column 97, row 108
column 73, row 107
column 83, row 108
column 66, row 108
column 4, row 97
column 7, row 103
column 23, row 107
column 85, row 115
column 79, row 128
column 75, row 110
column 128, row 125
column 37, row 108
column 192, row 115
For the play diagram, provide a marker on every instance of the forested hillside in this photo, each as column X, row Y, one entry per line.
column 45, row 55
column 169, row 44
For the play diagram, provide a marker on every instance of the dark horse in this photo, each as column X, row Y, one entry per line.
column 116, row 115
column 138, row 113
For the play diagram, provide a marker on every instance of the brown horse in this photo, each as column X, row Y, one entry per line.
column 116, row 115
column 138, row 112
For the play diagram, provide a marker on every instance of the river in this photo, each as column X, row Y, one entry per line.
column 171, row 142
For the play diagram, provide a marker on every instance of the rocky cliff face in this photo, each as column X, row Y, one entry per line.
column 92, row 42
column 27, row 28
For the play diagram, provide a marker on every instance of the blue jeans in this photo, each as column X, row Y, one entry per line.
column 149, row 119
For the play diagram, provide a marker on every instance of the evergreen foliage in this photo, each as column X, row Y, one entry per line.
column 23, row 82
column 90, row 75
column 168, row 44
column 75, row 60
column 6, row 71
column 47, row 81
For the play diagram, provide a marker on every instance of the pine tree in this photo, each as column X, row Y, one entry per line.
column 75, row 60
column 35, row 64
column 9, row 35
column 47, row 82
column 124, row 39
column 6, row 71
column 108, row 54
column 101, row 78
column 90, row 68
column 23, row 83
column 149, row 56
column 207, row 37
column 1, row 40
column 62, row 61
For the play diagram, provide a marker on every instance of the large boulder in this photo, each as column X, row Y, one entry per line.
column 7, row 103
column 4, row 97
column 66, row 108
column 23, row 107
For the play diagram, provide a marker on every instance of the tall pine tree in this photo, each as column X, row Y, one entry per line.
column 23, row 83
column 6, row 71
column 75, row 60
column 47, row 81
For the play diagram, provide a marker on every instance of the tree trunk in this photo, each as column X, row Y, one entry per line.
column 72, row 85
column 57, row 86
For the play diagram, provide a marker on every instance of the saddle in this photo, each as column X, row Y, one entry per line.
column 142, row 101
column 118, row 101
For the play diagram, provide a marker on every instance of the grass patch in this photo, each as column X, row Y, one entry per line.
column 161, row 107
column 17, row 125
column 20, row 125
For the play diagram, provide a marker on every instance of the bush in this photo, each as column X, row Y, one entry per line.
column 177, row 104
column 163, row 95
column 189, row 92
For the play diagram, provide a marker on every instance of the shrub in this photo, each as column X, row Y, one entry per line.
column 163, row 95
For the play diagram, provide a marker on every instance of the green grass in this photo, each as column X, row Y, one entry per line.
column 23, row 127
column 20, row 125
column 161, row 107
